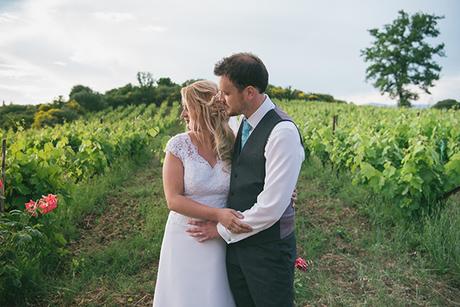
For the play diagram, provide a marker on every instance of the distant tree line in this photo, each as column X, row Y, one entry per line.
column 82, row 100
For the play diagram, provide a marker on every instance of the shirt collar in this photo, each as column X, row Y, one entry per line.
column 257, row 116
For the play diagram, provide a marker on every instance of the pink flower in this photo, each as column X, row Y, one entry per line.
column 301, row 264
column 51, row 199
column 31, row 207
column 1, row 184
column 47, row 203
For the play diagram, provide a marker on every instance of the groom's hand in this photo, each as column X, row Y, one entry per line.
column 203, row 230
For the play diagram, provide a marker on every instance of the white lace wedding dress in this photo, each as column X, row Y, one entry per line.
column 191, row 273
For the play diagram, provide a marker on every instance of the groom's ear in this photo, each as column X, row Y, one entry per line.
column 251, row 91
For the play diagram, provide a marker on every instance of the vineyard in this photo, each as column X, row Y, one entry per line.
column 57, row 160
column 409, row 158
column 52, row 158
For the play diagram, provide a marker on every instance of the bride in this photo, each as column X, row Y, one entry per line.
column 196, row 180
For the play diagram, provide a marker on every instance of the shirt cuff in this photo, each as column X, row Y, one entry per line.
column 224, row 233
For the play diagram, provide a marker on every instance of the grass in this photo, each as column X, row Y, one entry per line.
column 360, row 257
column 359, row 260
column 114, row 259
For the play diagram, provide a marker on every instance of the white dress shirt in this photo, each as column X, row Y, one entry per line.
column 284, row 155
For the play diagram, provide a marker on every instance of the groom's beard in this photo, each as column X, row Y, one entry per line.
column 230, row 112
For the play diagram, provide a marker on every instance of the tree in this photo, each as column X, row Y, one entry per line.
column 87, row 98
column 165, row 82
column 145, row 79
column 447, row 104
column 401, row 57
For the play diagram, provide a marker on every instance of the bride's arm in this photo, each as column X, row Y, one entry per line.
column 173, row 185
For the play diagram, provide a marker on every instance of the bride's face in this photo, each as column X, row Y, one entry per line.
column 185, row 115
column 189, row 114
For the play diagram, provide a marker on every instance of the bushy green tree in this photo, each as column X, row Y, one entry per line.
column 54, row 116
column 400, row 56
column 166, row 82
column 87, row 98
column 447, row 104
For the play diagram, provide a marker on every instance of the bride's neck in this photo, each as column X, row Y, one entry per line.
column 204, row 139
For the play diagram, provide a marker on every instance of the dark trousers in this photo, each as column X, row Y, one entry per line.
column 262, row 275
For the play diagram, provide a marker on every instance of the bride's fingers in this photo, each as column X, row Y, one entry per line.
column 239, row 229
column 196, row 223
column 241, row 225
column 199, row 235
column 237, row 214
column 193, row 230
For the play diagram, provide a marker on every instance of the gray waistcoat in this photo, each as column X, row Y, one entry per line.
column 248, row 178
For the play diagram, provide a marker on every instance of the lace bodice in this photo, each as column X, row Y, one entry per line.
column 202, row 182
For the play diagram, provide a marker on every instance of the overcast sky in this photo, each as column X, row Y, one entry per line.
column 47, row 46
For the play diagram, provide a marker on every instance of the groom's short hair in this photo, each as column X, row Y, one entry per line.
column 243, row 69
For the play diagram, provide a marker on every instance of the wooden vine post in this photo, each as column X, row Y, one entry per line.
column 2, row 190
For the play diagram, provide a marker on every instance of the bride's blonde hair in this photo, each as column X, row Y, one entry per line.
column 209, row 115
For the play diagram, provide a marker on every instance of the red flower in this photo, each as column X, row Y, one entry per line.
column 51, row 199
column 47, row 203
column 1, row 184
column 301, row 264
column 31, row 207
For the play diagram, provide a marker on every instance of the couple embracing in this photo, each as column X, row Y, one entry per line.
column 229, row 239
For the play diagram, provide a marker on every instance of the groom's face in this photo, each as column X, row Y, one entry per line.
column 233, row 99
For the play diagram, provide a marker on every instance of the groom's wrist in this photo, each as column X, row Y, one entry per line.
column 223, row 232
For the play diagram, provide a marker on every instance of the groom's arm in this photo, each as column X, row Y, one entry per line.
column 284, row 155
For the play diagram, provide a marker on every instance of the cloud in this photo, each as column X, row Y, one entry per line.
column 15, row 71
column 7, row 18
column 59, row 63
column 113, row 16
column 54, row 44
column 448, row 87
column 152, row 28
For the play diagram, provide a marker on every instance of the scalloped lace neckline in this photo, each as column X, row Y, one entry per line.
column 198, row 153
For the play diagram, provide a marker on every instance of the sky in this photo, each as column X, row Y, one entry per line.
column 48, row 46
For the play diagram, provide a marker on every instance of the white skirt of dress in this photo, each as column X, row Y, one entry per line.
column 190, row 273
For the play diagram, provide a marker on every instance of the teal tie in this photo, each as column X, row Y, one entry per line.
column 245, row 133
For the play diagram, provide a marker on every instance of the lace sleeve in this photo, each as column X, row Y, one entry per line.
column 176, row 146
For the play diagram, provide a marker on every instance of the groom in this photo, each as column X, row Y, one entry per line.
column 266, row 162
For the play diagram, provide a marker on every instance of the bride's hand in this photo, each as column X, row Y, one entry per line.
column 231, row 219
column 202, row 230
